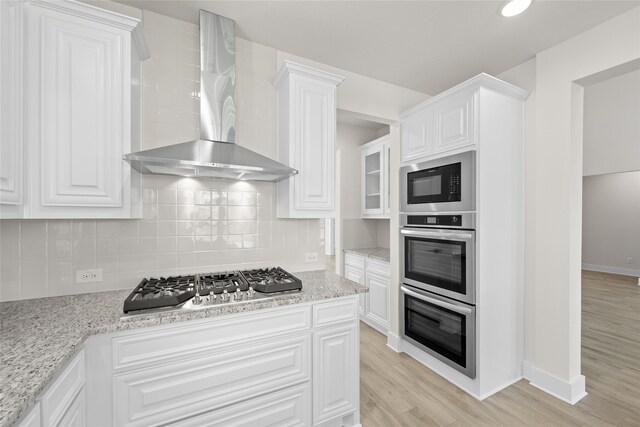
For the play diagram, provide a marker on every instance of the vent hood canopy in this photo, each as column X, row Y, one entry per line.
column 215, row 154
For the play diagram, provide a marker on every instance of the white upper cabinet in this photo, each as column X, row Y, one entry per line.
column 444, row 123
column 306, row 140
column 374, row 159
column 11, row 109
column 81, row 93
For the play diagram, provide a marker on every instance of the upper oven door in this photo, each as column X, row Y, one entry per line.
column 445, row 184
column 440, row 261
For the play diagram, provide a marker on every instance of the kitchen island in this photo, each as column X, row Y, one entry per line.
column 39, row 337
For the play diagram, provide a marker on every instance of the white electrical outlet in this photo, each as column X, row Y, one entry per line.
column 311, row 257
column 629, row 260
column 89, row 276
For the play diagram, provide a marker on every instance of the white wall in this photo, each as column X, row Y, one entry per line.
column 187, row 225
column 611, row 222
column 554, row 194
column 351, row 230
column 612, row 125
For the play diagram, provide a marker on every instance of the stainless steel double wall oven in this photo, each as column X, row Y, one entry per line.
column 437, row 302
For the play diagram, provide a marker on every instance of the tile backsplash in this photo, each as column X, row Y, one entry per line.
column 188, row 225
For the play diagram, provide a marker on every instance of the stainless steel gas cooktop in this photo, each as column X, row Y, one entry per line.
column 202, row 290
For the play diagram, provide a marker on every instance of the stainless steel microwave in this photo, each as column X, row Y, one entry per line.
column 446, row 184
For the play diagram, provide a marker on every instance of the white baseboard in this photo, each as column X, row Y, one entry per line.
column 569, row 391
column 614, row 270
column 393, row 342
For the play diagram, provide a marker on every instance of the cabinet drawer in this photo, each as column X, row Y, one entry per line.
column 354, row 260
column 145, row 348
column 378, row 267
column 290, row 407
column 335, row 312
column 61, row 394
column 170, row 392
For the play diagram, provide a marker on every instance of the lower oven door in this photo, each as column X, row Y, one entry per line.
column 444, row 328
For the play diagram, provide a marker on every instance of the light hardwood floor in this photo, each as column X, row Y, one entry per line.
column 396, row 390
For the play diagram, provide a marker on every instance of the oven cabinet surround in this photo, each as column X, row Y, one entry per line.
column 450, row 121
column 306, row 140
column 63, row 402
column 375, row 275
column 78, row 111
column 295, row 365
column 492, row 124
column 374, row 161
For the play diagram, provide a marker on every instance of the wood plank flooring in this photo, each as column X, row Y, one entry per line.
column 396, row 390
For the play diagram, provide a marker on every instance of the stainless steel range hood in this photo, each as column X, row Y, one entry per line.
column 215, row 154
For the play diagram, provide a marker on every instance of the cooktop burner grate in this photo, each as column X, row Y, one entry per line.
column 270, row 280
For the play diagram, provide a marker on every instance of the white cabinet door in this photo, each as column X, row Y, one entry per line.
column 372, row 188
column 454, row 122
column 378, row 299
column 386, row 179
column 79, row 109
column 335, row 370
column 357, row 275
column 11, row 104
column 306, row 141
column 416, row 135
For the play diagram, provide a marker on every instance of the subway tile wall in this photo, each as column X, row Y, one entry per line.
column 188, row 225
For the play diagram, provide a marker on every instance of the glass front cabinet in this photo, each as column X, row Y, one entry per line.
column 375, row 178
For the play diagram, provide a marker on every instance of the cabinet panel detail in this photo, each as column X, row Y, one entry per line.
column 335, row 365
column 290, row 408
column 81, row 117
column 173, row 391
column 334, row 312
column 145, row 348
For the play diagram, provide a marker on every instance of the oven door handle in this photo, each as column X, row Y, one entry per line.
column 437, row 301
column 441, row 236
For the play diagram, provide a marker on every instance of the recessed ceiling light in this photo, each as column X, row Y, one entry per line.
column 515, row 7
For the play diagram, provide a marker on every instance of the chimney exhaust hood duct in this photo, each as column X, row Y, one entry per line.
column 215, row 154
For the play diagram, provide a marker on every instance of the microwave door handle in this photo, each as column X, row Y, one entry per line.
column 438, row 302
column 441, row 236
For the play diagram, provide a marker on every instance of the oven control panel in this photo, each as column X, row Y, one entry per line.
column 463, row 220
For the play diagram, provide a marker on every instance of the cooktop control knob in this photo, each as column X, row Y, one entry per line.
column 212, row 297
column 237, row 296
column 197, row 299
column 225, row 297
column 250, row 292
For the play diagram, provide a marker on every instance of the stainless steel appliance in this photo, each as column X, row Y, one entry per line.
column 215, row 154
column 439, row 260
column 446, row 184
column 437, row 301
column 204, row 290
column 444, row 328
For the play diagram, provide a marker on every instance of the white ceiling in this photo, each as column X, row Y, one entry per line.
column 427, row 46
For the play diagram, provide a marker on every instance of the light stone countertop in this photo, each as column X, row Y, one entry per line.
column 381, row 254
column 38, row 336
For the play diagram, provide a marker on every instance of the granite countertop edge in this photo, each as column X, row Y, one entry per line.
column 380, row 254
column 15, row 402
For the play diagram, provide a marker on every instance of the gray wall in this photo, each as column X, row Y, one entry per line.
column 611, row 222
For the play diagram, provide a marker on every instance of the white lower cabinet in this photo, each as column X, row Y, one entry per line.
column 284, row 366
column 374, row 274
column 75, row 415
